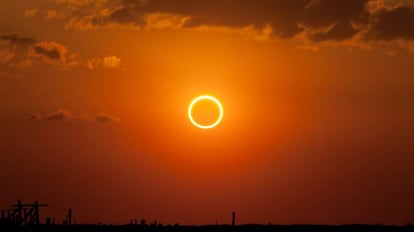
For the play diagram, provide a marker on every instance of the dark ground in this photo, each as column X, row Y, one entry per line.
column 208, row 228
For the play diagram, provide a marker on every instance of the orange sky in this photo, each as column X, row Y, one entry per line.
column 318, row 99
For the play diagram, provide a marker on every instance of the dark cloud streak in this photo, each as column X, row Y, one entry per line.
column 14, row 39
column 52, row 54
column 284, row 16
column 60, row 114
column 63, row 114
column 106, row 118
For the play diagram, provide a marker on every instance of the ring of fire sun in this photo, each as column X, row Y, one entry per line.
column 201, row 99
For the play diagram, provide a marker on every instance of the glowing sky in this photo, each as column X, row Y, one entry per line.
column 318, row 98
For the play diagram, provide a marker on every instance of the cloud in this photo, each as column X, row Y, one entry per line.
column 25, row 52
column 286, row 18
column 35, row 116
column 16, row 49
column 108, row 62
column 111, row 62
column 63, row 114
column 30, row 12
column 106, row 118
column 15, row 40
column 60, row 115
column 51, row 53
column 78, row 3
column 81, row 15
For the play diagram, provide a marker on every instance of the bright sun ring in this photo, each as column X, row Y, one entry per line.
column 200, row 98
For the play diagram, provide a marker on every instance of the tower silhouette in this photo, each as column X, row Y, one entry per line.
column 69, row 217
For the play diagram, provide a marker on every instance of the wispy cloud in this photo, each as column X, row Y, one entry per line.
column 106, row 118
column 63, row 114
column 35, row 116
column 108, row 62
column 13, row 39
column 60, row 115
column 25, row 52
column 49, row 52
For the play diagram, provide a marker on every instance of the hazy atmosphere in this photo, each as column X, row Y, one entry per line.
column 317, row 97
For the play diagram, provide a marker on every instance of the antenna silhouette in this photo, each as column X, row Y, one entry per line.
column 23, row 214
